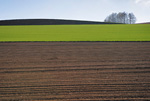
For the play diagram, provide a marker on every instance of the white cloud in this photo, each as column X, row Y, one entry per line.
column 137, row 1
column 143, row 2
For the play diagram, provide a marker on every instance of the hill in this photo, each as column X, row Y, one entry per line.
column 47, row 22
column 99, row 32
column 144, row 23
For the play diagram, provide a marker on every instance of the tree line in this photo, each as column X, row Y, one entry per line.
column 121, row 17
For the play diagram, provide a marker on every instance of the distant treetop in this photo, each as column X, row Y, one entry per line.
column 121, row 17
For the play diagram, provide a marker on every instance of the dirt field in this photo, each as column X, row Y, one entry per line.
column 74, row 71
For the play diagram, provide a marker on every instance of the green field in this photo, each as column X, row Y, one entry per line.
column 137, row 32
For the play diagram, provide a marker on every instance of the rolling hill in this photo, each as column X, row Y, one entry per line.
column 47, row 22
column 99, row 32
column 144, row 23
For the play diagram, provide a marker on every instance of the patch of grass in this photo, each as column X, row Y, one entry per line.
column 137, row 32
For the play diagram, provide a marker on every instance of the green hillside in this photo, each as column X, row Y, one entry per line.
column 137, row 32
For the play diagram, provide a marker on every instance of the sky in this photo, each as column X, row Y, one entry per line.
column 93, row 10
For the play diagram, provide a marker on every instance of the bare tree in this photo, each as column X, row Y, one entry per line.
column 132, row 18
column 121, row 17
column 111, row 18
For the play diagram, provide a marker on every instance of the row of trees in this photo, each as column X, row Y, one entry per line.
column 121, row 17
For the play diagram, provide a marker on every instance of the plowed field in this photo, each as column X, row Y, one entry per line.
column 74, row 71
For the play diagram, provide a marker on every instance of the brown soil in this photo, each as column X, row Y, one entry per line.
column 74, row 71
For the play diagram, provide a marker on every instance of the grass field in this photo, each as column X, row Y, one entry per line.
column 138, row 32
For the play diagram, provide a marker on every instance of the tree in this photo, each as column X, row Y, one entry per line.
column 111, row 18
column 121, row 17
column 132, row 18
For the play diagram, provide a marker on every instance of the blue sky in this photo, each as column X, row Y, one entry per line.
column 95, row 10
